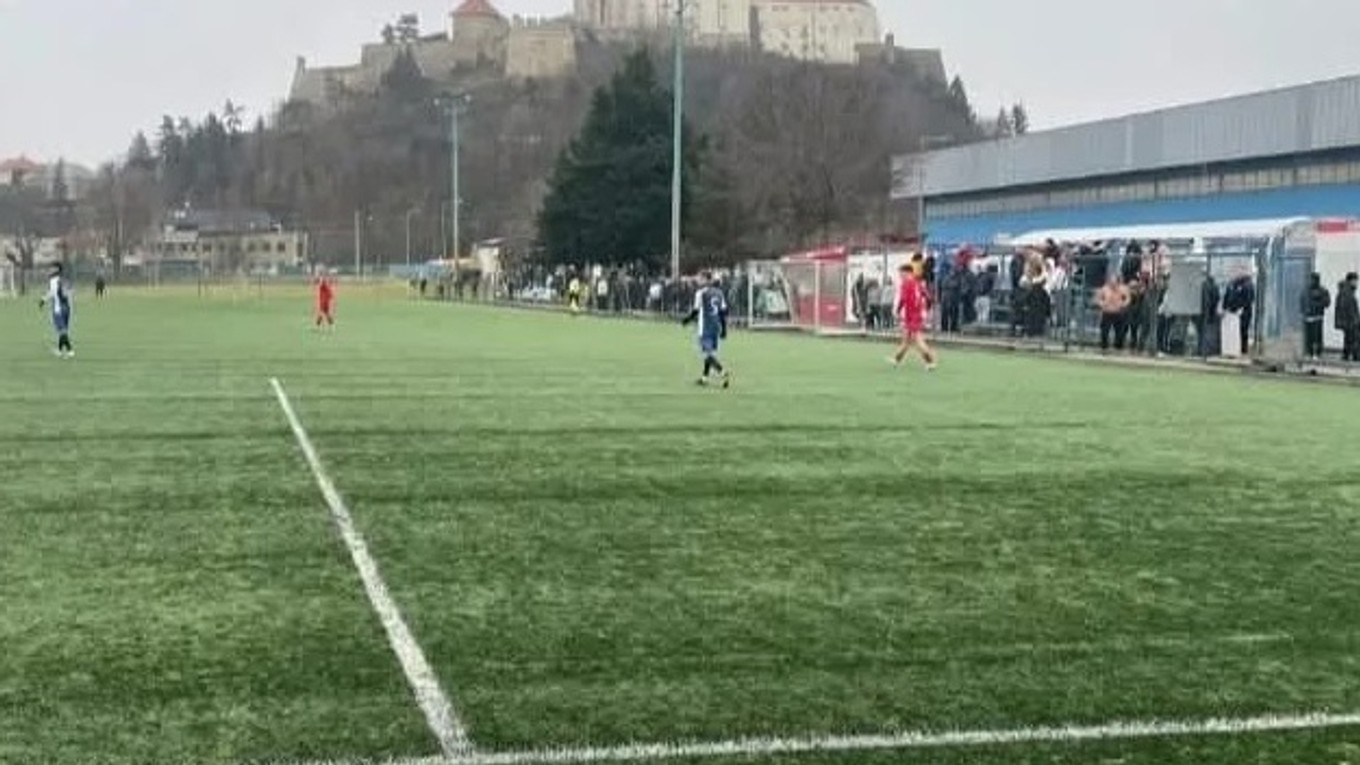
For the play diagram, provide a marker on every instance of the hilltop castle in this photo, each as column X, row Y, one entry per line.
column 480, row 40
column 813, row 30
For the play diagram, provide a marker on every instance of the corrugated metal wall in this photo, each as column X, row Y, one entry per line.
column 1324, row 115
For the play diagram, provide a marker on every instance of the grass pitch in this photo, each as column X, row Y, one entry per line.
column 593, row 551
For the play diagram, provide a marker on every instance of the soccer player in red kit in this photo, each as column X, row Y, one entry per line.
column 913, row 308
column 325, row 302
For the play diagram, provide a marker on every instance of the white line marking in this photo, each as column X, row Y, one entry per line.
column 439, row 712
column 918, row 740
column 758, row 747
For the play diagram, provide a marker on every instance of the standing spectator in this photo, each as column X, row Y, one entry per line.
column 986, row 287
column 602, row 294
column 1113, row 302
column 1348, row 317
column 951, row 300
column 1208, row 326
column 1132, row 265
column 1142, row 315
column 1059, row 289
column 859, row 299
column 654, row 295
column 969, row 293
column 1316, row 301
column 1240, row 299
column 873, row 296
column 100, row 286
column 886, row 296
column 1019, row 297
column 1038, row 305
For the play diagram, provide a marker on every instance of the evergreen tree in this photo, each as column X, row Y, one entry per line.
column 957, row 91
column 404, row 80
column 407, row 29
column 1004, row 127
column 958, row 96
column 233, row 117
column 1020, row 119
column 139, row 155
column 609, row 198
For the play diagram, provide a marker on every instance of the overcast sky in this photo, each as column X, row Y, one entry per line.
column 78, row 77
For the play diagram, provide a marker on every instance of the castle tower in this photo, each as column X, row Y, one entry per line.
column 478, row 32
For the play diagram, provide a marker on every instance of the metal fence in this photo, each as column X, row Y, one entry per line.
column 1185, row 299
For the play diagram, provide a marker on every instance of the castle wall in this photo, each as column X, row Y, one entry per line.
column 719, row 22
column 436, row 59
column 480, row 41
column 817, row 31
column 541, row 52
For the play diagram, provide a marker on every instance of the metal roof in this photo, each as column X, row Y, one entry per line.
column 1231, row 229
column 1306, row 118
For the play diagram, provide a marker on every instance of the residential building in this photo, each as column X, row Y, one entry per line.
column 230, row 241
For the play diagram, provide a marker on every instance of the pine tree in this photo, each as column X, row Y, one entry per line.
column 407, row 29
column 233, row 117
column 609, row 198
column 1004, row 127
column 958, row 96
column 404, row 80
column 139, row 156
column 1020, row 119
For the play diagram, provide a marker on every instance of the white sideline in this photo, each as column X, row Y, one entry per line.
column 439, row 712
column 756, row 747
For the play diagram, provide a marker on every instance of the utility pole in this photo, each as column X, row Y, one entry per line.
column 358, row 244
column 678, row 149
column 457, row 182
column 409, row 213
column 455, row 106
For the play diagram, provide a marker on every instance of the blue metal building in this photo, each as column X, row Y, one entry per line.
column 1277, row 154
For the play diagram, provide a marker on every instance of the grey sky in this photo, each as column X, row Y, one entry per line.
column 78, row 77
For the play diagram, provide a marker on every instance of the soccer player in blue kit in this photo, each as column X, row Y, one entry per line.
column 60, row 300
column 710, row 311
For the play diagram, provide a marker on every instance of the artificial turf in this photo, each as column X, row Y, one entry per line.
column 591, row 550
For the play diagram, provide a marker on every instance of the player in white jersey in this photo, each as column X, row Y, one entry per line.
column 59, row 299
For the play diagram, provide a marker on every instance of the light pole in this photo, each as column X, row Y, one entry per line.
column 358, row 244
column 455, row 104
column 927, row 141
column 409, row 213
column 677, row 138
column 360, row 218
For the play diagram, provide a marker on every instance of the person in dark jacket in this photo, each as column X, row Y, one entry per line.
column 951, row 300
column 1240, row 299
column 860, row 301
column 1208, row 326
column 1348, row 317
column 1132, row 264
column 1019, row 294
column 1316, row 301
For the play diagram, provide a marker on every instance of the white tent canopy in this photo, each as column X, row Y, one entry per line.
column 1166, row 232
